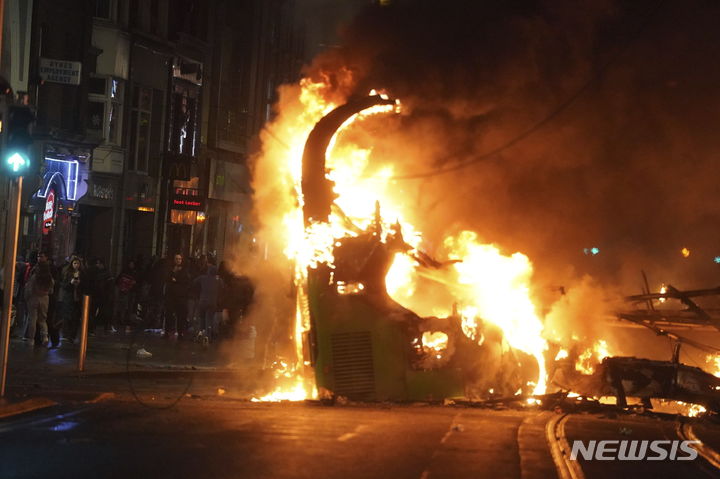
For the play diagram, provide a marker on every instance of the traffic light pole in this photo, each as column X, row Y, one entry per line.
column 11, row 242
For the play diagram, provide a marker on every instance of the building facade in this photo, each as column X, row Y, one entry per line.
column 147, row 113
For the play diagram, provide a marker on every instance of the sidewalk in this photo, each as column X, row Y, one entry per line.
column 112, row 366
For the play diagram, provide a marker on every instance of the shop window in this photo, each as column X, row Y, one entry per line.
column 104, row 118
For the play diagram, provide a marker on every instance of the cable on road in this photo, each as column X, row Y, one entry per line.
column 132, row 386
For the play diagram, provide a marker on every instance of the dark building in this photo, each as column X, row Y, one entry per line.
column 147, row 113
column 257, row 46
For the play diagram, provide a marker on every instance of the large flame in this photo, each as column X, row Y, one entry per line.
column 592, row 356
column 484, row 284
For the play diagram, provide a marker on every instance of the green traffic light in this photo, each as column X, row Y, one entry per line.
column 16, row 161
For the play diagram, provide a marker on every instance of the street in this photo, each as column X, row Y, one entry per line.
column 224, row 439
column 186, row 412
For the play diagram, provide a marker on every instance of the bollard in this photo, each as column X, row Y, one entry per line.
column 84, row 332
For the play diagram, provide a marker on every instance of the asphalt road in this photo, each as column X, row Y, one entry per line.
column 203, row 438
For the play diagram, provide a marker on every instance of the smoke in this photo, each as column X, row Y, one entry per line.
column 266, row 264
column 581, row 314
column 624, row 168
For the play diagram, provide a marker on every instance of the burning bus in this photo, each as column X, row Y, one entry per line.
column 378, row 317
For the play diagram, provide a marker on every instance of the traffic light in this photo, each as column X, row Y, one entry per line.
column 17, row 139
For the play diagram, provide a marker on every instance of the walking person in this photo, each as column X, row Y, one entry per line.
column 177, row 286
column 69, row 298
column 38, row 289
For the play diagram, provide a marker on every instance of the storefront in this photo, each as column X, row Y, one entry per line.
column 97, row 209
column 187, row 204
column 49, row 223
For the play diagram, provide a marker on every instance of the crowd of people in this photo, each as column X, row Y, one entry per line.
column 183, row 298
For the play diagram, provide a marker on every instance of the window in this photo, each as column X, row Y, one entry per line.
column 140, row 128
column 105, row 108
column 183, row 134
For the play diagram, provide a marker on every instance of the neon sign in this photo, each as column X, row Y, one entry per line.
column 61, row 171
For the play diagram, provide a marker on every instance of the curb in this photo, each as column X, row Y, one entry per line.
column 13, row 409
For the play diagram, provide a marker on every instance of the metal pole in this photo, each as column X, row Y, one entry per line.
column 84, row 332
column 11, row 241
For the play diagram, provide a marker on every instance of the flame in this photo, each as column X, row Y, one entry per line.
column 486, row 285
column 435, row 342
column 562, row 354
column 663, row 290
column 592, row 356
column 713, row 362
column 678, row 407
column 498, row 288
column 695, row 410
column 399, row 279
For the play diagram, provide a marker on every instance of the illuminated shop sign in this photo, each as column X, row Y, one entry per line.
column 188, row 199
column 49, row 213
column 61, row 171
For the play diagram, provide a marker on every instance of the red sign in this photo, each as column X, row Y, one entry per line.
column 49, row 214
column 188, row 199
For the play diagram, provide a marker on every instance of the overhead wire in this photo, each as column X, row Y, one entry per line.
column 554, row 113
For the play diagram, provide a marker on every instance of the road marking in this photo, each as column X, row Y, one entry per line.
column 350, row 435
column 685, row 431
column 560, row 449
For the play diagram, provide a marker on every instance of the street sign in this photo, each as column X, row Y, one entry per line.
column 60, row 71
